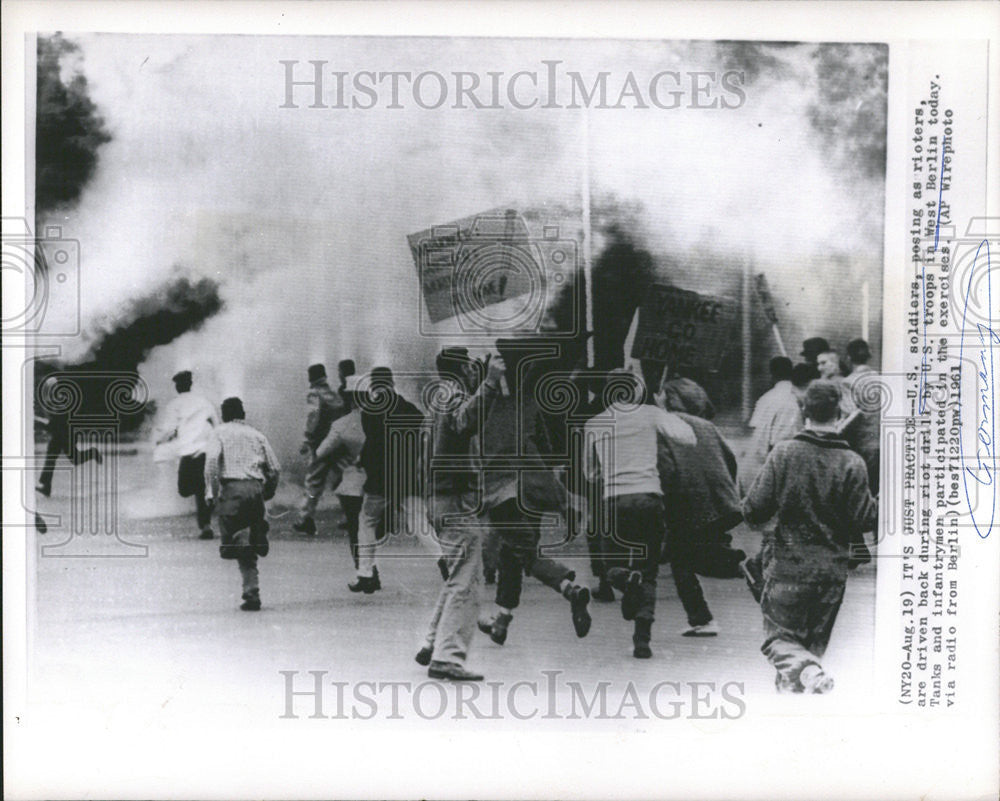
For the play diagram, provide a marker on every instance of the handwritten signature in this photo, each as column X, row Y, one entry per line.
column 986, row 454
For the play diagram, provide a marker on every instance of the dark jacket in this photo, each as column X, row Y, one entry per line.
column 454, row 461
column 818, row 488
column 398, row 457
column 701, row 495
column 513, row 443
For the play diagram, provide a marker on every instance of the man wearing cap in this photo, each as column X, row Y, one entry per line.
column 187, row 425
column 342, row 445
column 453, row 498
column 242, row 471
column 323, row 407
column 812, row 348
column 518, row 488
column 818, row 489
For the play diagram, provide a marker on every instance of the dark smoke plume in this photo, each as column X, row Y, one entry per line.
column 172, row 309
column 69, row 130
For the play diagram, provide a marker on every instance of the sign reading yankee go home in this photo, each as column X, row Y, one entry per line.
column 684, row 328
column 491, row 271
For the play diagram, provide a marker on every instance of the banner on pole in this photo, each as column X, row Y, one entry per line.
column 685, row 329
column 492, row 272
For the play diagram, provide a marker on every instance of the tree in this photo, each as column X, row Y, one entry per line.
column 69, row 130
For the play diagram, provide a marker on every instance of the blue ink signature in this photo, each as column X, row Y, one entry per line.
column 924, row 366
column 986, row 454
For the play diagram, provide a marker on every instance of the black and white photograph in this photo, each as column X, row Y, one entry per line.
column 455, row 386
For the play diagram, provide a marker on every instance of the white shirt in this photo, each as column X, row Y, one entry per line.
column 187, row 424
column 344, row 441
column 621, row 446
column 776, row 417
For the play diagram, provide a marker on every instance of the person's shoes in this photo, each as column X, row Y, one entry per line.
column 378, row 581
column 604, row 592
column 452, row 672
column 229, row 551
column 44, row 489
column 499, row 626
column 786, row 686
column 641, row 637
column 632, row 597
column 258, row 539
column 40, row 525
column 305, row 526
column 578, row 598
column 442, row 564
column 485, row 625
column 423, row 656
column 251, row 603
column 710, row 629
column 365, row 584
column 814, row 680
column 750, row 568
column 206, row 533
column 490, row 577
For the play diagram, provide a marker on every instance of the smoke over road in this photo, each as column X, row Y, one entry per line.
column 300, row 216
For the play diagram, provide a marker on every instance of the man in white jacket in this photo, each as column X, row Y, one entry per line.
column 187, row 424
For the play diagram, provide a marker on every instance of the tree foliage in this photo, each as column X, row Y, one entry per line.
column 69, row 129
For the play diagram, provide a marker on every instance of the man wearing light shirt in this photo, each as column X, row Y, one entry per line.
column 630, row 451
column 242, row 471
column 187, row 425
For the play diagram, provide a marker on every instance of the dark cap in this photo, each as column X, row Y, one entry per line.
column 232, row 409
column 183, row 377
column 813, row 347
column 346, row 367
column 316, row 372
column 858, row 351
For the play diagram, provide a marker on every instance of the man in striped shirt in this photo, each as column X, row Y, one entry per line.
column 242, row 471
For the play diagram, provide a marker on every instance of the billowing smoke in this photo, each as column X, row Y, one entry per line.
column 301, row 215
column 69, row 129
column 173, row 308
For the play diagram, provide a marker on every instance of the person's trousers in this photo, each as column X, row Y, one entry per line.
column 56, row 446
column 318, row 472
column 351, row 504
column 706, row 553
column 798, row 621
column 518, row 555
column 241, row 515
column 634, row 544
column 191, row 481
column 453, row 621
column 491, row 550
column 413, row 517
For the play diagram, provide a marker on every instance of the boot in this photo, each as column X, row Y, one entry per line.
column 640, row 640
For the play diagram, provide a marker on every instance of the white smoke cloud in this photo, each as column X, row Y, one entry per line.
column 301, row 214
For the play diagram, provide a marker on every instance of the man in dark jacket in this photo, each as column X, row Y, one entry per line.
column 385, row 413
column 324, row 406
column 517, row 489
column 818, row 488
column 702, row 504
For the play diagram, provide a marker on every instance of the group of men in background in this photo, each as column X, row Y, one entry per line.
column 659, row 485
